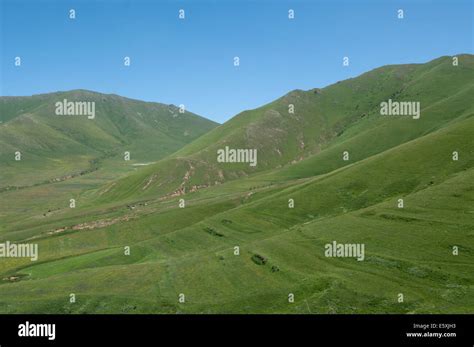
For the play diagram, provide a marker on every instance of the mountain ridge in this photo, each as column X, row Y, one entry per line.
column 149, row 131
column 322, row 116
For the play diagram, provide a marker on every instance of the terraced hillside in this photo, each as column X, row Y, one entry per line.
column 237, row 239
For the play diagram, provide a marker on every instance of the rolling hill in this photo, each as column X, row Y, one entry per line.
column 246, row 239
column 325, row 123
column 56, row 146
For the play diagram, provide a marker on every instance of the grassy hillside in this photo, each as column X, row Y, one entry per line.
column 190, row 250
column 326, row 122
column 281, row 216
column 54, row 146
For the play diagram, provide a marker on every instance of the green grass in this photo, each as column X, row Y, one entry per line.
column 191, row 250
column 53, row 146
column 340, row 117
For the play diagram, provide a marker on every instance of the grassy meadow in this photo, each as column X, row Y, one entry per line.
column 247, row 239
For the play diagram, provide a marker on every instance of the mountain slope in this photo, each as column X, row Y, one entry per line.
column 56, row 145
column 280, row 217
column 191, row 250
column 326, row 122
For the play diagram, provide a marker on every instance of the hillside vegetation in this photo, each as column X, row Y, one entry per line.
column 56, row 146
column 325, row 123
column 233, row 238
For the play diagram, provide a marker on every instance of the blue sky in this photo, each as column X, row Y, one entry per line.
column 190, row 61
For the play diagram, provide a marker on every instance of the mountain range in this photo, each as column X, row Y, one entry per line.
column 174, row 230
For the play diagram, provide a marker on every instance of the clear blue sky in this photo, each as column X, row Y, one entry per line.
column 191, row 61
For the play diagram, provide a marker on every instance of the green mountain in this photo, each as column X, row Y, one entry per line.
column 232, row 238
column 325, row 123
column 54, row 146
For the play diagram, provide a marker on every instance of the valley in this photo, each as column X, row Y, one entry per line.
column 176, row 230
